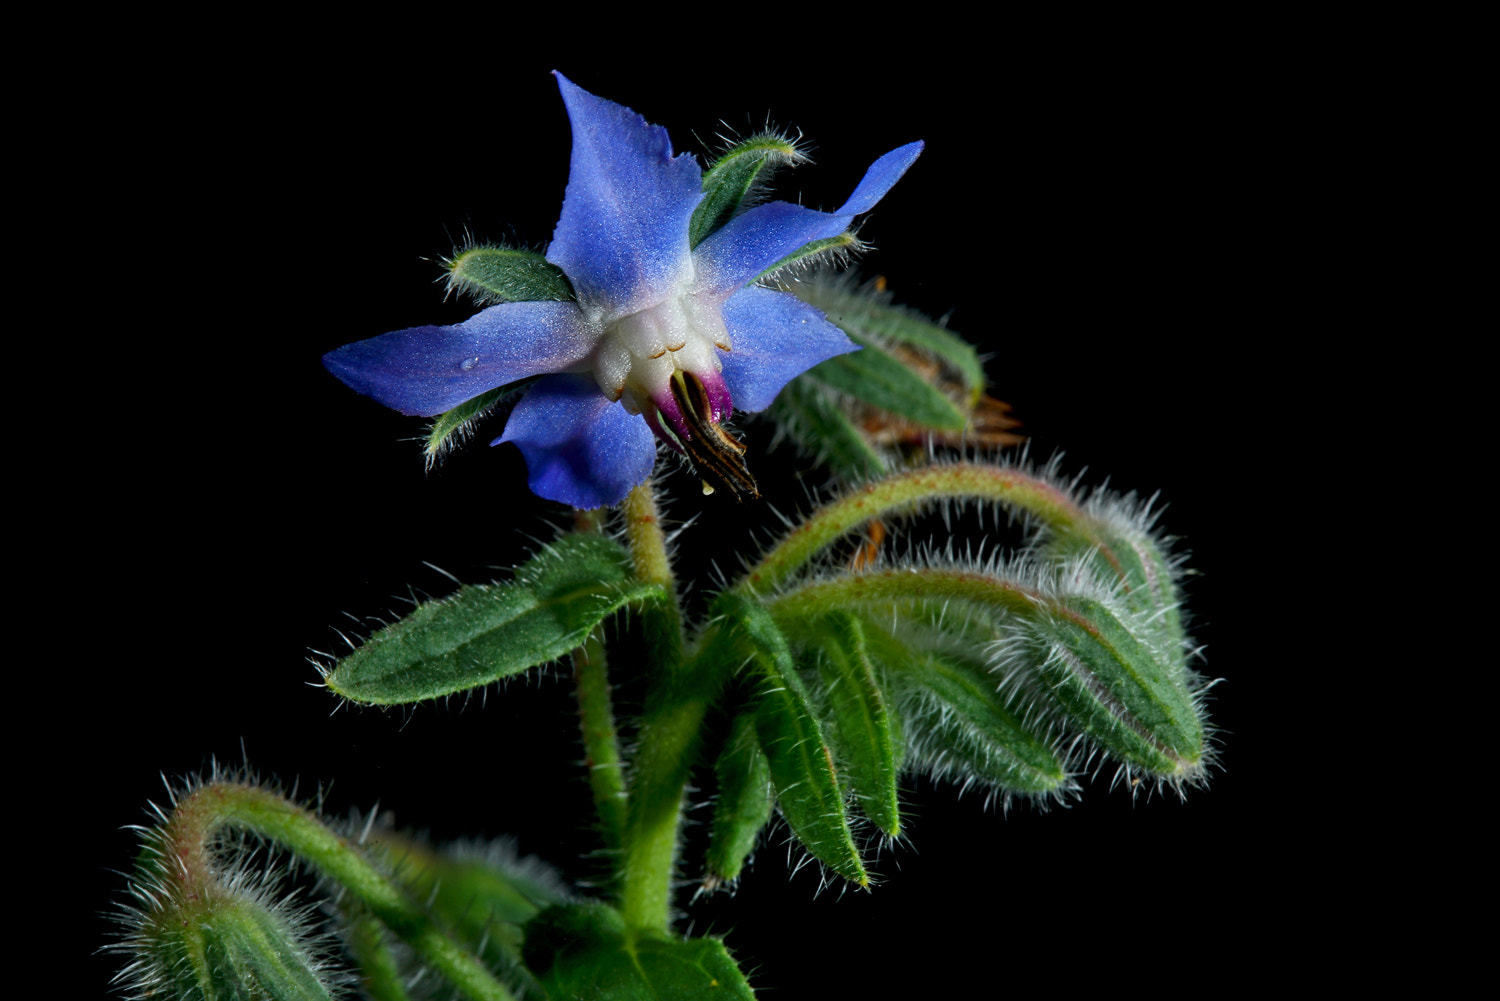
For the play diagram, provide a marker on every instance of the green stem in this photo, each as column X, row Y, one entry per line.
column 669, row 733
column 601, row 743
column 648, row 553
column 380, row 974
column 933, row 586
column 1048, row 504
column 201, row 813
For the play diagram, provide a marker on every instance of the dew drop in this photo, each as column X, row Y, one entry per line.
column 469, row 363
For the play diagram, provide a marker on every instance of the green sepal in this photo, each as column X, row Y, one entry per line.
column 868, row 315
column 232, row 949
column 874, row 377
column 744, row 804
column 810, row 415
column 734, row 177
column 801, row 762
column 453, row 426
column 483, row 633
column 959, row 727
column 817, row 252
column 585, row 951
column 1120, row 688
column 1115, row 549
column 861, row 725
column 499, row 274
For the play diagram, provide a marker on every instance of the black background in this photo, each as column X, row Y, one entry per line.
column 1091, row 215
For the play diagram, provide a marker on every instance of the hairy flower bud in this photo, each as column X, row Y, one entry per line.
column 231, row 937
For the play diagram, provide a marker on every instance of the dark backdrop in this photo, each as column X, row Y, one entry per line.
column 1084, row 216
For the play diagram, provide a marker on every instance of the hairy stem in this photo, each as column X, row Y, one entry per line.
column 669, row 733
column 648, row 553
column 1048, row 504
column 601, row 743
column 890, row 586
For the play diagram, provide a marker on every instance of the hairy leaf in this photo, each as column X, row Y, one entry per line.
column 585, row 952
column 486, row 632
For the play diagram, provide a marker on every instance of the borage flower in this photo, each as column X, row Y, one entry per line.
column 662, row 337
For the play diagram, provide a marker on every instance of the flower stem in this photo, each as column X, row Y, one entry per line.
column 669, row 732
column 648, row 546
column 1045, row 502
column 596, row 719
column 202, row 812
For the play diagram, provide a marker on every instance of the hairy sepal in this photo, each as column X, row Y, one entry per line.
column 802, row 764
column 1116, row 683
column 500, row 274
column 861, row 727
column 868, row 313
column 453, row 427
column 829, row 252
column 812, row 418
column 735, row 177
column 878, row 380
column 1116, row 540
column 234, row 949
column 744, row 803
column 483, row 633
column 959, row 727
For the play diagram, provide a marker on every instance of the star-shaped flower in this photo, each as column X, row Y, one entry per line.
column 662, row 338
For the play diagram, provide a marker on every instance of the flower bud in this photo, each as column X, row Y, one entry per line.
column 223, row 942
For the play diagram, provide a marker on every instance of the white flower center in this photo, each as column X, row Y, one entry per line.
column 638, row 353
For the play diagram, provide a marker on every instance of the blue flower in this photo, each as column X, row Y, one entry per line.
column 662, row 340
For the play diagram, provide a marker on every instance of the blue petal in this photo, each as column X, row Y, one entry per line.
column 750, row 243
column 427, row 370
column 580, row 448
column 776, row 337
column 622, row 238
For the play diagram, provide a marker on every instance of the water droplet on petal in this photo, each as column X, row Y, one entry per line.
column 469, row 363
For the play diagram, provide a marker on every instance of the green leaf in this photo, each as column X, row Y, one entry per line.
column 585, row 952
column 815, row 422
column 744, row 803
column 449, row 429
column 958, row 726
column 500, row 274
column 802, row 765
column 861, row 724
column 734, row 177
column 870, row 315
column 1120, row 687
column 874, row 377
column 486, row 632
